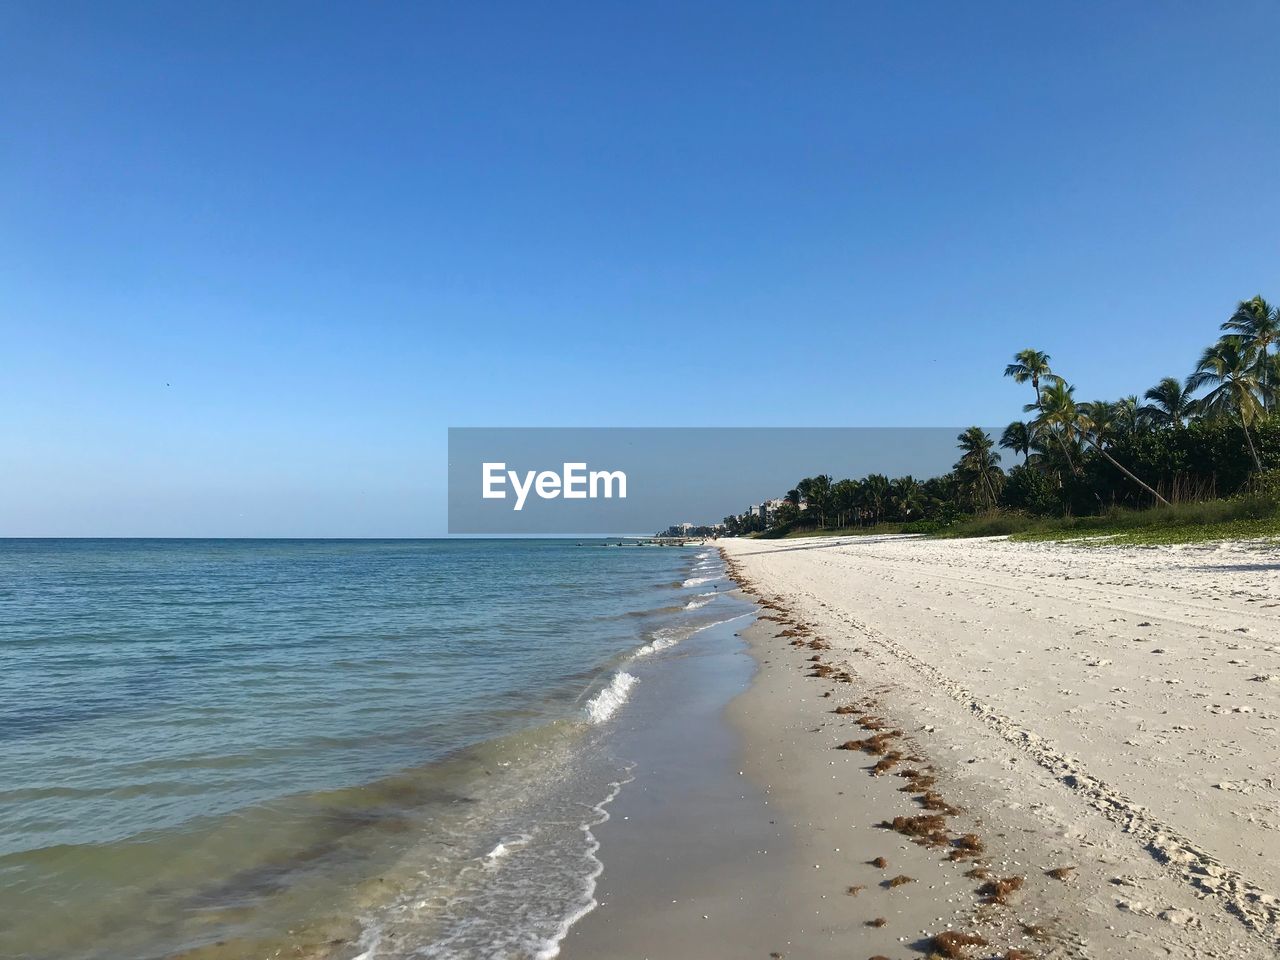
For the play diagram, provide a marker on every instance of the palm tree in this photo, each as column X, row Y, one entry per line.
column 1230, row 367
column 979, row 467
column 1096, row 423
column 844, row 500
column 1171, row 403
column 1258, row 324
column 817, row 495
column 1130, row 416
column 1017, row 437
column 1030, row 365
column 1057, row 417
column 907, row 496
column 875, row 494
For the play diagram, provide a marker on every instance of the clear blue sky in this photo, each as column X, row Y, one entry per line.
column 255, row 258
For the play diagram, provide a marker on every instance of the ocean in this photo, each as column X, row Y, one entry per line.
column 220, row 749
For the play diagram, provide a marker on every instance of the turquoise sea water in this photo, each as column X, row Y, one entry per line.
column 216, row 748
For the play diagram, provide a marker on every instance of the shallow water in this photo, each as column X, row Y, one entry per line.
column 395, row 748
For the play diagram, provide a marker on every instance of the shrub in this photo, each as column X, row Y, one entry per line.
column 923, row 526
column 1031, row 490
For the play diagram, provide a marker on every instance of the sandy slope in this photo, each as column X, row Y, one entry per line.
column 1116, row 709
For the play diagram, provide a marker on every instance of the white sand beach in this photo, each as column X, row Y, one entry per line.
column 1115, row 711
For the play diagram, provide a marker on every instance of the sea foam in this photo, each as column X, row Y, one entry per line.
column 550, row 947
column 605, row 703
column 505, row 846
column 695, row 581
column 666, row 637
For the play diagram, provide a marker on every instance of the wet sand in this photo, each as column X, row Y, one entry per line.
column 689, row 848
column 745, row 831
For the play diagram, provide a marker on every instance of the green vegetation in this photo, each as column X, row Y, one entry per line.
column 799, row 531
column 1243, row 517
column 1198, row 460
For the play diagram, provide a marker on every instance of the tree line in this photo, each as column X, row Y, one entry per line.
column 1212, row 433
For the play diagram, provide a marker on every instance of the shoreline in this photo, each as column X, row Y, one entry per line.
column 765, row 864
column 1060, row 751
column 952, row 663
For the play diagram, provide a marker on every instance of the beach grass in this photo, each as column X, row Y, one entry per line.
column 1244, row 518
column 1170, row 533
column 1239, row 518
column 879, row 529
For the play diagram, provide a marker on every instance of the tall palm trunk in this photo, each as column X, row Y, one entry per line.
column 1266, row 385
column 1066, row 452
column 1252, row 449
column 1264, row 373
column 1126, row 471
column 991, row 490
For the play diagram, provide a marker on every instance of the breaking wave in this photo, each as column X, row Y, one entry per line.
column 606, row 703
column 696, row 581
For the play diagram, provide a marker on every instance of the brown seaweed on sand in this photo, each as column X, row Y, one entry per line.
column 844, row 710
column 855, row 890
column 953, row 944
column 899, row 880
column 931, row 800
column 878, row 744
column 967, row 845
column 917, row 782
column 924, row 825
column 887, row 762
column 877, row 922
column 1060, row 873
column 880, row 862
column 998, row 891
column 926, row 838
